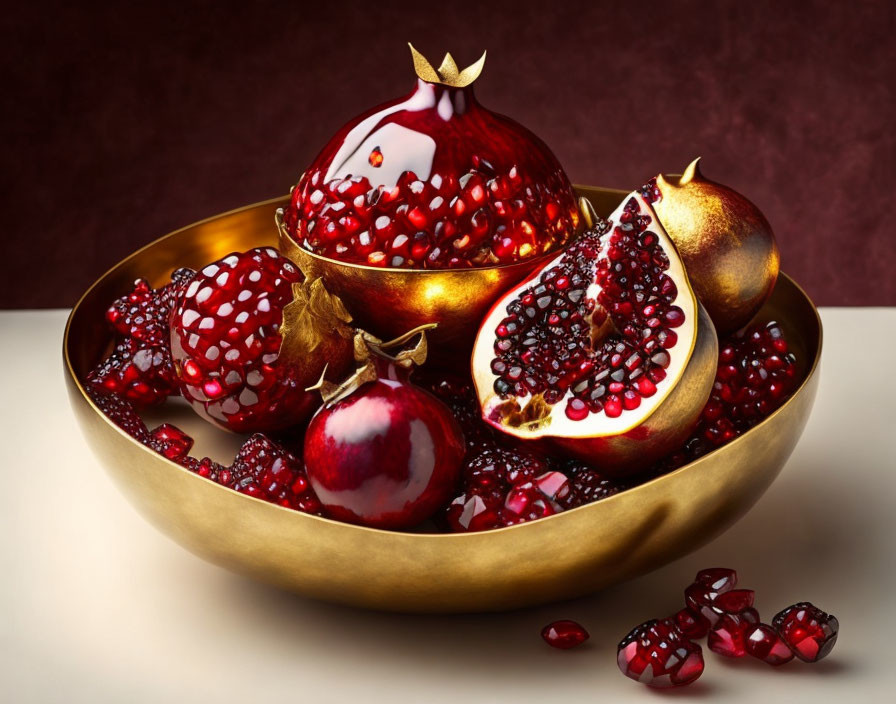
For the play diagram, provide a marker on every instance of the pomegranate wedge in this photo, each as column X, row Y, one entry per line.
column 605, row 351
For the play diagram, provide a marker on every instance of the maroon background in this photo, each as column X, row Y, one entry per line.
column 122, row 124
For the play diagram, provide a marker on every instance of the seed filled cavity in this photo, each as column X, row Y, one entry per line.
column 602, row 354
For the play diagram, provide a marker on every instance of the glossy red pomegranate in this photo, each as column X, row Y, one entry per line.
column 432, row 181
column 381, row 451
column 604, row 351
column 249, row 335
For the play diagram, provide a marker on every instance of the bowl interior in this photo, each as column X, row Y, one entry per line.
column 566, row 555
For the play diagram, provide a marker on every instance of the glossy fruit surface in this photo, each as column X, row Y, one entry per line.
column 139, row 368
column 386, row 455
column 807, row 630
column 601, row 350
column 726, row 243
column 691, row 623
column 236, row 365
column 433, row 181
column 657, row 654
column 728, row 636
column 764, row 643
column 564, row 634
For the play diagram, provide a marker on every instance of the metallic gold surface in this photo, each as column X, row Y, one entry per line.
column 389, row 302
column 563, row 556
column 314, row 325
column 447, row 74
column 726, row 243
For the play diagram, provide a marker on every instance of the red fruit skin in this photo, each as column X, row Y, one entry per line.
column 564, row 634
column 807, row 630
column 433, row 180
column 386, row 456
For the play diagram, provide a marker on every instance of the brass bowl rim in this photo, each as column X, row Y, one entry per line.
column 690, row 466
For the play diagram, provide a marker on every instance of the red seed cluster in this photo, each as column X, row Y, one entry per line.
column 547, row 344
column 266, row 471
column 226, row 341
column 807, row 630
column 657, row 654
column 479, row 218
column 140, row 368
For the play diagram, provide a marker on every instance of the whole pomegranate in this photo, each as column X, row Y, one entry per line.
column 381, row 451
column 726, row 243
column 604, row 351
column 249, row 335
column 432, row 181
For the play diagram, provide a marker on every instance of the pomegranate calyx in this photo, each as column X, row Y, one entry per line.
column 313, row 316
column 376, row 360
column 447, row 74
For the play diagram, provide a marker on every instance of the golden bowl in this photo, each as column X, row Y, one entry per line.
column 388, row 302
column 563, row 556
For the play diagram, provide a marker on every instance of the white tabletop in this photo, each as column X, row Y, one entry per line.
column 97, row 606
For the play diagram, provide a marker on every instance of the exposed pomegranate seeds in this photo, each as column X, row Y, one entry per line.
column 728, row 637
column 807, row 630
column 564, row 634
column 226, row 343
column 139, row 368
column 658, row 654
column 265, row 470
column 764, row 643
column 691, row 623
column 604, row 354
column 719, row 579
column 756, row 374
column 587, row 484
column 433, row 181
column 172, row 442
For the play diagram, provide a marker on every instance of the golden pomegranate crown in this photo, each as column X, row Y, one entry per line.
column 447, row 74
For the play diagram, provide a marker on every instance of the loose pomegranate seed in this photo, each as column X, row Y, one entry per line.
column 658, row 654
column 564, row 634
column 734, row 601
column 807, row 630
column 718, row 579
column 694, row 625
column 729, row 635
column 171, row 441
column 764, row 643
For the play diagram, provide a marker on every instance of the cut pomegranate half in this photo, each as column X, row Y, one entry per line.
column 605, row 350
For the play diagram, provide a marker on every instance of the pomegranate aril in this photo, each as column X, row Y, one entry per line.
column 807, row 630
column 171, row 441
column 728, row 636
column 564, row 634
column 691, row 623
column 734, row 601
column 658, row 654
column 764, row 643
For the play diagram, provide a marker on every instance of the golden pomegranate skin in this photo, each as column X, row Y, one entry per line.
column 727, row 245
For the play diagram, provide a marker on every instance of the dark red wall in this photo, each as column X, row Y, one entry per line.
column 122, row 124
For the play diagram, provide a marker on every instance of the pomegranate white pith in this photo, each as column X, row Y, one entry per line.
column 592, row 344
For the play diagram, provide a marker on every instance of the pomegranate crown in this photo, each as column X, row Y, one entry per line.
column 447, row 74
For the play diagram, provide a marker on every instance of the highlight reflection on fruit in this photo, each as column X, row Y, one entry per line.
column 604, row 351
column 433, row 181
column 381, row 451
column 249, row 334
column 726, row 243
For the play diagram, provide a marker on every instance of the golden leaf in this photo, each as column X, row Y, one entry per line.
column 447, row 74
